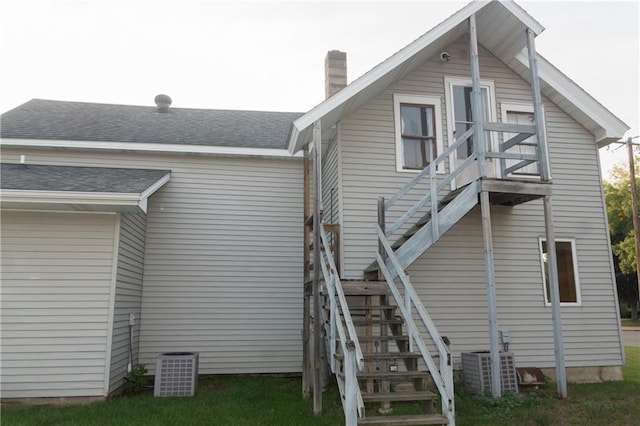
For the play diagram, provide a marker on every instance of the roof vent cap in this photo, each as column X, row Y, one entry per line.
column 163, row 102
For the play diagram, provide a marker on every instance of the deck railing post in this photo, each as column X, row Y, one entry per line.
column 542, row 148
column 476, row 99
column 433, row 190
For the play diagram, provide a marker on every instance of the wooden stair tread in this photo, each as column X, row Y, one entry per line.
column 390, row 337
column 378, row 321
column 393, row 374
column 405, row 420
column 398, row 396
column 359, row 306
column 364, row 288
column 385, row 355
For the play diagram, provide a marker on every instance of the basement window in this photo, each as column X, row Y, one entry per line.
column 567, row 272
column 418, row 131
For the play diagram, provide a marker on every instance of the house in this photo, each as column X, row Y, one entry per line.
column 202, row 243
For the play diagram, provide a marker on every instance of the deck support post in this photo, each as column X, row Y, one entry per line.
column 494, row 349
column 306, row 304
column 317, row 223
column 545, row 176
column 480, row 148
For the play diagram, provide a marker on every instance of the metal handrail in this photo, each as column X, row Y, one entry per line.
column 346, row 333
column 442, row 376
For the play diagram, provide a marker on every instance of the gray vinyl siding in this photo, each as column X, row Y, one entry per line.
column 450, row 276
column 223, row 258
column 330, row 188
column 56, row 289
column 128, row 297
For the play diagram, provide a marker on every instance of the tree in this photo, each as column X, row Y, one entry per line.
column 617, row 192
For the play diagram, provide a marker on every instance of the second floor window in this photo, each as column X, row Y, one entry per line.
column 418, row 131
column 418, row 135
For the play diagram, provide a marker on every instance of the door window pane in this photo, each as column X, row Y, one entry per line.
column 463, row 115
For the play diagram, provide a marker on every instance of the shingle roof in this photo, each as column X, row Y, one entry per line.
column 78, row 179
column 80, row 121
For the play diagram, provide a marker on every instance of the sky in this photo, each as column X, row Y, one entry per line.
column 269, row 55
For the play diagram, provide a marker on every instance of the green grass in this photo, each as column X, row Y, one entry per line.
column 223, row 400
column 626, row 322
column 609, row 403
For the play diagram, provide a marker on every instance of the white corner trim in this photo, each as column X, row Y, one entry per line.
column 436, row 102
column 112, row 303
column 149, row 147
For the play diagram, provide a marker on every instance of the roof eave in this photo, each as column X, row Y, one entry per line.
column 20, row 199
column 604, row 125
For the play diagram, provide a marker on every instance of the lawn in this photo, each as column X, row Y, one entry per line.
column 626, row 322
column 277, row 401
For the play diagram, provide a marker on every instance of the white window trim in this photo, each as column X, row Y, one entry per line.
column 576, row 274
column 511, row 107
column 398, row 99
column 449, row 82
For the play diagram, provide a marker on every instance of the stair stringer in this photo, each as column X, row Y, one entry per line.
column 453, row 212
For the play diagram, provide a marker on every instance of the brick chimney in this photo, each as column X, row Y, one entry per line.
column 335, row 72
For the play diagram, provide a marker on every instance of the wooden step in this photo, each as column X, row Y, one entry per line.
column 393, row 375
column 378, row 322
column 397, row 396
column 364, row 288
column 405, row 420
column 384, row 355
column 374, row 338
column 360, row 307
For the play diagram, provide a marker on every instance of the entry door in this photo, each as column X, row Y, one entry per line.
column 460, row 120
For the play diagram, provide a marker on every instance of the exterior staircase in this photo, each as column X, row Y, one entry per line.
column 391, row 364
column 396, row 388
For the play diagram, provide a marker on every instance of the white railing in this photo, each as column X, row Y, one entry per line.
column 407, row 301
column 341, row 328
column 436, row 187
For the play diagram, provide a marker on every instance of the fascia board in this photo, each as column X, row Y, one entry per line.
column 13, row 196
column 610, row 127
column 517, row 11
column 144, row 197
column 149, row 147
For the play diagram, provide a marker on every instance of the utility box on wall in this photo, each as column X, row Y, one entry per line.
column 176, row 374
column 476, row 367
